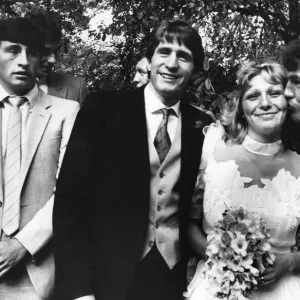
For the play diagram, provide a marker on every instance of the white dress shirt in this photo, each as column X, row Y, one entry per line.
column 43, row 85
column 25, row 111
column 154, row 116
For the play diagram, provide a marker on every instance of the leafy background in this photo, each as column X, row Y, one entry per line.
column 233, row 31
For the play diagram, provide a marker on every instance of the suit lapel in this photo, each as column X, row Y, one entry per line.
column 57, row 91
column 136, row 116
column 55, row 87
column 191, row 148
column 136, row 148
column 1, row 160
column 35, row 128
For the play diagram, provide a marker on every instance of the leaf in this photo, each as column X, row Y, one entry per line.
column 206, row 64
column 207, row 84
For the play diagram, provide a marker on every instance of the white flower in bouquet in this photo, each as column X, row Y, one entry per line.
column 237, row 252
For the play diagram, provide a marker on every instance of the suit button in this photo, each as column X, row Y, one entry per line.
column 151, row 243
column 159, row 208
column 160, row 192
column 0, row 204
column 161, row 175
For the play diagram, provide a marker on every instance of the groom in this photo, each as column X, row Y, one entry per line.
column 123, row 197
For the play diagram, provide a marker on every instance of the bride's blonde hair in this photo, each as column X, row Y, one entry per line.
column 233, row 118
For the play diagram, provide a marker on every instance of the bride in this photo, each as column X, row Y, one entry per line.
column 247, row 165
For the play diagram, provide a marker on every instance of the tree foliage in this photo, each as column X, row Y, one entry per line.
column 232, row 30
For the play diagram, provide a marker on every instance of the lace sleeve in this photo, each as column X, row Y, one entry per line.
column 213, row 133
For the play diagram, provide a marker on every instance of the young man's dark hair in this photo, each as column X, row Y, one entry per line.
column 55, row 83
column 183, row 33
column 23, row 31
column 290, row 55
column 48, row 23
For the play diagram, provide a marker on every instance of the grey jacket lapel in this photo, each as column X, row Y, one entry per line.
column 1, row 167
column 57, row 91
column 37, row 123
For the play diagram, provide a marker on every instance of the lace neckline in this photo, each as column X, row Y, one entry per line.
column 266, row 149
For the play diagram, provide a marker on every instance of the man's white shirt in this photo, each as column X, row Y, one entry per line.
column 154, row 115
column 25, row 111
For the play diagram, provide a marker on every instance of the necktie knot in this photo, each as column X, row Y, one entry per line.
column 17, row 101
column 166, row 112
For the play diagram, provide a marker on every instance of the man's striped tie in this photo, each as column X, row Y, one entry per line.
column 162, row 140
column 12, row 167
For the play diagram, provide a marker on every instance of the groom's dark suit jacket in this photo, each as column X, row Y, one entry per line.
column 101, row 207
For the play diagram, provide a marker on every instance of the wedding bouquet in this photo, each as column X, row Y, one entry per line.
column 237, row 253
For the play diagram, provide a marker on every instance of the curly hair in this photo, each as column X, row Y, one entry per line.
column 233, row 118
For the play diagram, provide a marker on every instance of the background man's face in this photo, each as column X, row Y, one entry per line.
column 142, row 69
column 172, row 67
column 292, row 94
column 48, row 60
column 18, row 66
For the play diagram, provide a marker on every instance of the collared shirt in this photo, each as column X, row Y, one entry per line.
column 43, row 85
column 25, row 111
column 154, row 116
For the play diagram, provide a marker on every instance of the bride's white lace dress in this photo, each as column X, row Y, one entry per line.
column 262, row 178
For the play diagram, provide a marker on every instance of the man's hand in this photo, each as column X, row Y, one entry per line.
column 11, row 253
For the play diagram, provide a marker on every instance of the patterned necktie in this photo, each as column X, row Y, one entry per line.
column 12, row 167
column 162, row 140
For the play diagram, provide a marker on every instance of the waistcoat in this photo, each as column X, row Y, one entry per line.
column 163, row 228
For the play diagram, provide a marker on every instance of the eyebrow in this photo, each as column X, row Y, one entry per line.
column 255, row 90
column 159, row 48
column 179, row 51
column 12, row 46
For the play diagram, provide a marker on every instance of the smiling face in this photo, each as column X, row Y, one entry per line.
column 265, row 108
column 171, row 67
column 18, row 65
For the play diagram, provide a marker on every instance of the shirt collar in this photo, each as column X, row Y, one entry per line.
column 153, row 104
column 31, row 95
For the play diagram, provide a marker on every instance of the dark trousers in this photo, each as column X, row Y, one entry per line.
column 154, row 280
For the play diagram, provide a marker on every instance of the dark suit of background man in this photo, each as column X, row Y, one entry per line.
column 53, row 83
column 123, row 197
